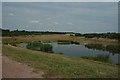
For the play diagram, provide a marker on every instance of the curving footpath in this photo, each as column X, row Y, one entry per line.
column 13, row 69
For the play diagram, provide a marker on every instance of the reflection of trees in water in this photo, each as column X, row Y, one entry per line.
column 114, row 49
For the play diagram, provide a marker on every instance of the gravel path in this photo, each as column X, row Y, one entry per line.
column 13, row 69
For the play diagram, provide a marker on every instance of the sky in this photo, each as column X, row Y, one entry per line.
column 0, row 14
column 82, row 17
column 60, row 0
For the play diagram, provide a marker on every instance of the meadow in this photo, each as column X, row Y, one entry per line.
column 60, row 66
column 57, row 65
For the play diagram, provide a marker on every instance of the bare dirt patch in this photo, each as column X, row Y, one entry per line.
column 13, row 69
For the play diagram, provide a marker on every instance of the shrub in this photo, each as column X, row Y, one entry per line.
column 46, row 47
column 95, row 46
column 39, row 46
column 113, row 48
column 109, row 48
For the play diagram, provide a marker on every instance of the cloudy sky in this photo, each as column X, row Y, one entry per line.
column 61, row 16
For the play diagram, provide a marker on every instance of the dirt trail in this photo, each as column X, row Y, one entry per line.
column 13, row 69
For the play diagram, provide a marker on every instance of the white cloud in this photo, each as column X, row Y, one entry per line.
column 70, row 23
column 26, row 26
column 56, row 23
column 49, row 24
column 11, row 14
column 78, row 15
column 34, row 21
column 28, row 11
column 49, row 18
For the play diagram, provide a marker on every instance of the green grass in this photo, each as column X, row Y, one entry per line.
column 57, row 53
column 22, row 44
column 102, row 58
column 64, row 42
column 55, row 65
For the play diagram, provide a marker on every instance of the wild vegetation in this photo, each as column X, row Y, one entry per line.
column 95, row 46
column 102, row 58
column 100, row 35
column 113, row 48
column 64, row 42
column 55, row 65
column 59, row 66
column 110, row 48
column 39, row 46
column 86, row 35
column 23, row 32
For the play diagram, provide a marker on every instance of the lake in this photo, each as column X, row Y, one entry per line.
column 79, row 50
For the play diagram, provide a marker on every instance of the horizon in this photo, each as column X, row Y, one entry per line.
column 88, row 17
column 60, row 31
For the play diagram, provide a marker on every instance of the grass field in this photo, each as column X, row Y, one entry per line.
column 56, row 65
column 60, row 66
column 56, row 37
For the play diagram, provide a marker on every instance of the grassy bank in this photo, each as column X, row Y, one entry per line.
column 55, row 65
column 102, row 58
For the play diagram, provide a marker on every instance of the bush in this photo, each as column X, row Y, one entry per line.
column 95, row 46
column 113, row 48
column 110, row 48
column 46, row 47
column 39, row 46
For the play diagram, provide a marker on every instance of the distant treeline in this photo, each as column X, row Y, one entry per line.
column 99, row 35
column 23, row 32
column 87, row 35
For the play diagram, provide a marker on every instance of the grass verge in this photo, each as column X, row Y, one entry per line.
column 59, row 66
column 102, row 58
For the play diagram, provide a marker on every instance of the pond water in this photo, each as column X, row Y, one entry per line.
column 80, row 50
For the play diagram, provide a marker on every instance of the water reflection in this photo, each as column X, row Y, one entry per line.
column 81, row 50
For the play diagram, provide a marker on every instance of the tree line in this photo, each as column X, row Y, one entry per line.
column 23, row 32
column 109, row 35
column 17, row 32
